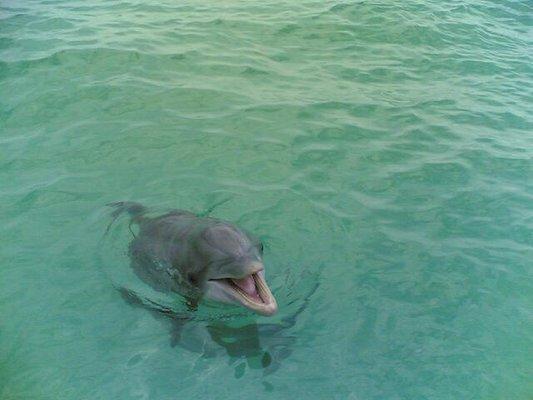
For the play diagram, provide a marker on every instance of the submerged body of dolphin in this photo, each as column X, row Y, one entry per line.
column 258, row 345
column 199, row 257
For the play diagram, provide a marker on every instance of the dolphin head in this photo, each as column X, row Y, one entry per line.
column 234, row 270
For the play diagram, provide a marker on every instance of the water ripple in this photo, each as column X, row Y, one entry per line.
column 382, row 151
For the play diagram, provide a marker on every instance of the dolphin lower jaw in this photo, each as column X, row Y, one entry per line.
column 258, row 299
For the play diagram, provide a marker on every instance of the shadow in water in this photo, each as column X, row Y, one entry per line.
column 259, row 346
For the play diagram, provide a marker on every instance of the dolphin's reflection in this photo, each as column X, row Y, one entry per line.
column 258, row 346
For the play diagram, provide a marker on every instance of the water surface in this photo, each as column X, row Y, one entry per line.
column 382, row 151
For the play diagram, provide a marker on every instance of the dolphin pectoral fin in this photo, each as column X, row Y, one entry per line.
column 130, row 297
column 135, row 300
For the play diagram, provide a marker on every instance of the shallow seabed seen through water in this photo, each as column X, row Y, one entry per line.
column 381, row 150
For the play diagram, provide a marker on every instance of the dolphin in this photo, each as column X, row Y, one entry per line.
column 199, row 258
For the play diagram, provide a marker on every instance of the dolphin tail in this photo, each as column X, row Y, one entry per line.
column 134, row 210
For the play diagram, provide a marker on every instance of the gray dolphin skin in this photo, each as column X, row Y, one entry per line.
column 199, row 257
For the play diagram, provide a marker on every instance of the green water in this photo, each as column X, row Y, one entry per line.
column 382, row 150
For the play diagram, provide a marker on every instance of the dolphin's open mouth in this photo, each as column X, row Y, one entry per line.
column 250, row 291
